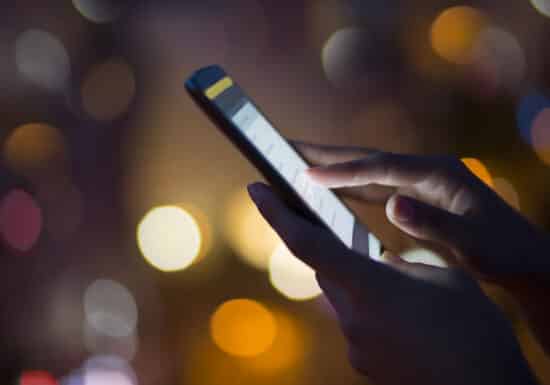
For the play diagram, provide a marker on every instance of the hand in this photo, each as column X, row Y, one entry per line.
column 405, row 323
column 440, row 203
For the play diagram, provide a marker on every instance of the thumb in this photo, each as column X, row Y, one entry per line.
column 429, row 223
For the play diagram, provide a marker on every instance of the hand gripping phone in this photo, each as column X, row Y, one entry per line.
column 234, row 113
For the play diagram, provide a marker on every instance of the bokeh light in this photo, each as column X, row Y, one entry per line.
column 498, row 61
column 169, row 238
column 529, row 107
column 543, row 6
column 20, row 220
column 344, row 57
column 33, row 148
column 247, row 233
column 479, row 169
column 42, row 59
column 243, row 327
column 424, row 256
column 110, row 308
column 98, row 343
column 289, row 348
column 540, row 135
column 291, row 277
column 325, row 17
column 100, row 11
column 108, row 370
column 506, row 190
column 107, row 103
column 37, row 377
column 455, row 32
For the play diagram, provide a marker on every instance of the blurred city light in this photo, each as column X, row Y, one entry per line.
column 540, row 135
column 42, row 59
column 423, row 256
column 100, row 11
column 506, row 190
column 107, row 103
column 499, row 60
column 479, row 169
column 529, row 107
column 169, row 238
column 110, row 309
column 344, row 57
column 289, row 347
column 37, row 377
column 248, row 234
column 455, row 32
column 108, row 370
column 98, row 343
column 543, row 6
column 243, row 327
column 291, row 277
column 33, row 148
column 20, row 220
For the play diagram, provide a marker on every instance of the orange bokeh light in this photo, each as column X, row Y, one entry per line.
column 243, row 327
column 479, row 170
column 455, row 32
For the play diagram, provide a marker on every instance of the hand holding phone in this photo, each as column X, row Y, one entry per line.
column 248, row 128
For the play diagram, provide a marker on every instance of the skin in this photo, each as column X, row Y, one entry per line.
column 413, row 322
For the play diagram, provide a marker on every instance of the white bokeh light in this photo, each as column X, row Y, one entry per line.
column 108, row 370
column 169, row 238
column 499, row 58
column 110, row 309
column 291, row 277
column 543, row 6
column 343, row 57
column 100, row 11
column 42, row 59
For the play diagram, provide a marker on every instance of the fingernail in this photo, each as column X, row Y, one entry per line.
column 312, row 174
column 403, row 210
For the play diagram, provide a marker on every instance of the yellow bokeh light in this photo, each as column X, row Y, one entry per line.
column 34, row 147
column 478, row 169
column 455, row 32
column 291, row 277
column 108, row 90
column 248, row 234
column 243, row 327
column 169, row 238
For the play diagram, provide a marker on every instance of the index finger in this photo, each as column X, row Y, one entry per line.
column 382, row 168
column 321, row 155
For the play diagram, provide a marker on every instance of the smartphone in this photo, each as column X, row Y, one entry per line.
column 238, row 117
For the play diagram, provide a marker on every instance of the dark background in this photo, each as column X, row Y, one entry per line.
column 123, row 137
